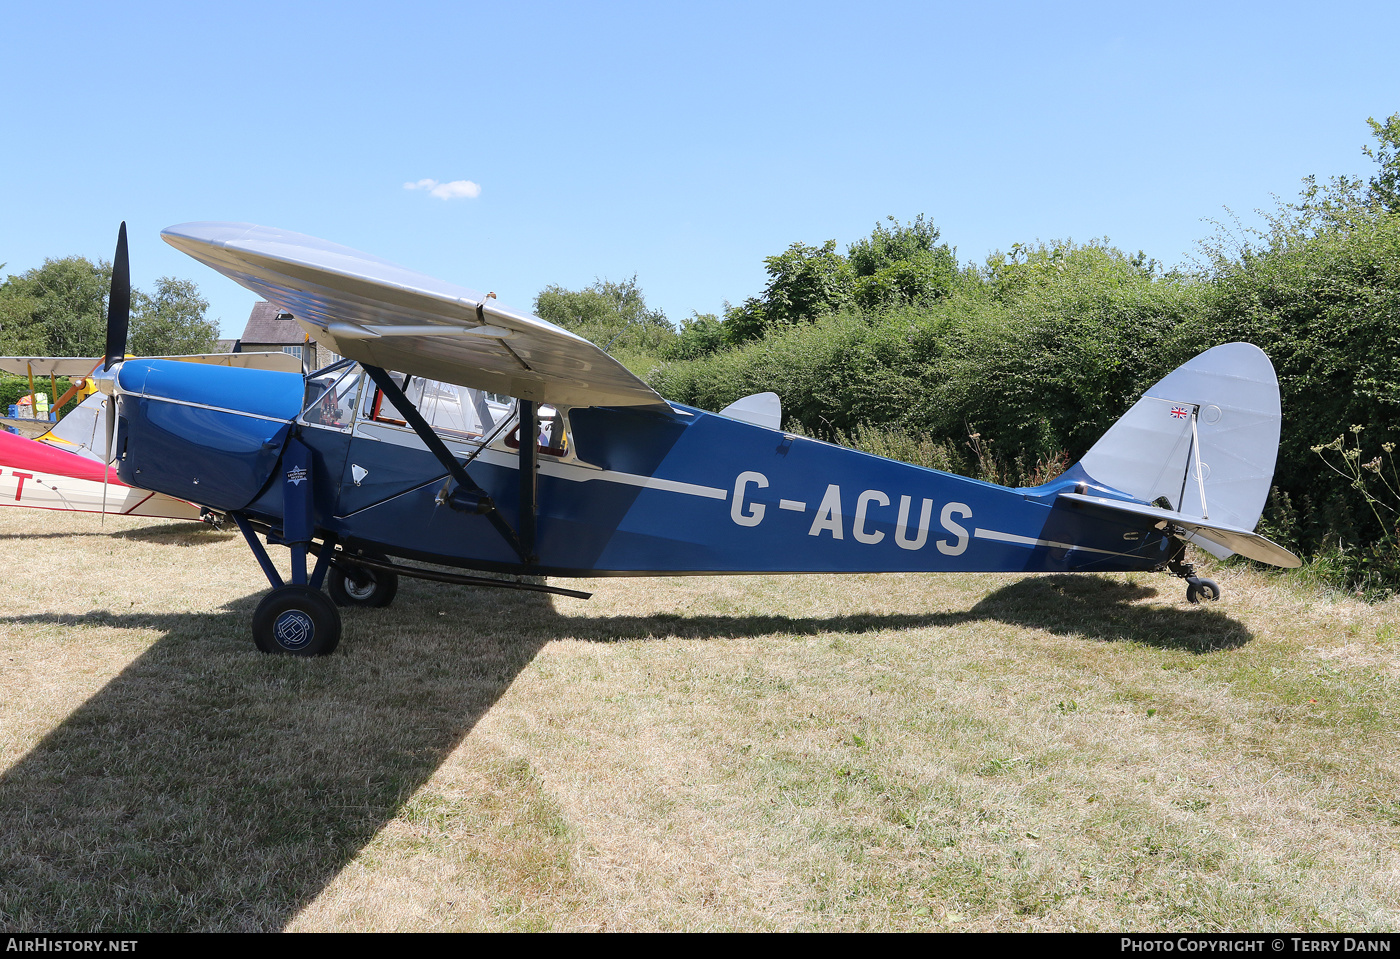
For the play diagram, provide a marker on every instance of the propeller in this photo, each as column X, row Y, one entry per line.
column 118, row 303
column 118, row 319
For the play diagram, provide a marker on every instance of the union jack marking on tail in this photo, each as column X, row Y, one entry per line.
column 1180, row 412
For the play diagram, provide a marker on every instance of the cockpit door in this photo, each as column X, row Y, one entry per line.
column 387, row 458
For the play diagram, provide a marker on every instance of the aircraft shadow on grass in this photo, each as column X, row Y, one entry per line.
column 1094, row 607
column 208, row 787
column 183, row 534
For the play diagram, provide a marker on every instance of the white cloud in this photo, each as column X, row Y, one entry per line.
column 455, row 190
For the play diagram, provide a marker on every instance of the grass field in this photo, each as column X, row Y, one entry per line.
column 969, row 752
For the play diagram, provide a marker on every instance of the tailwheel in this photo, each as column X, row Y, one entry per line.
column 1198, row 589
column 296, row 620
column 361, row 586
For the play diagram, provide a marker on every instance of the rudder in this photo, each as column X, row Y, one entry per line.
column 1220, row 410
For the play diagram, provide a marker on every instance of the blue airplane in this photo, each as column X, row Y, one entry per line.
column 460, row 435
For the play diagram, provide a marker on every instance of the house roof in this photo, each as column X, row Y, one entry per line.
column 265, row 328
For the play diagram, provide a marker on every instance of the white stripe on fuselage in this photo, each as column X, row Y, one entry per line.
column 1001, row 537
column 653, row 482
column 571, row 470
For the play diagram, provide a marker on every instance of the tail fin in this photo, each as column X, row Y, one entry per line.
column 1204, row 439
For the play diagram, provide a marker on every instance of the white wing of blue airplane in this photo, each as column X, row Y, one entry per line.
column 384, row 315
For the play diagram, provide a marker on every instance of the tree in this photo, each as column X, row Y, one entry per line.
column 902, row 265
column 171, row 321
column 60, row 309
column 615, row 316
column 57, row 309
column 895, row 266
column 804, row 282
column 1385, row 185
column 19, row 334
column 700, row 335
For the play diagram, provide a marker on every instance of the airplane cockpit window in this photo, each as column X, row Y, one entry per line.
column 330, row 396
column 454, row 412
column 552, row 436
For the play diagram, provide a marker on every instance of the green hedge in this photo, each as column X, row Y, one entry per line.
column 1057, row 343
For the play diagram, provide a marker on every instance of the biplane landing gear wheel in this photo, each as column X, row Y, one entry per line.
column 296, row 621
column 1198, row 589
column 374, row 587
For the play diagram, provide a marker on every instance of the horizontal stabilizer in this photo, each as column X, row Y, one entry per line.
column 1202, row 532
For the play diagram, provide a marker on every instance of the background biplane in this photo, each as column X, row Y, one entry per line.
column 504, row 443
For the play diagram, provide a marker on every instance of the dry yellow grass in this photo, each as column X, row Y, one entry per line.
column 863, row 752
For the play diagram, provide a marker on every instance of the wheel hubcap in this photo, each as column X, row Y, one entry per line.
column 293, row 629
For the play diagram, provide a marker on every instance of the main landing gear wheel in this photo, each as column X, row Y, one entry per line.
column 296, row 621
column 1198, row 589
column 362, row 587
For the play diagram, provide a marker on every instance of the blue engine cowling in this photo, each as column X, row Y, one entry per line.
column 208, row 434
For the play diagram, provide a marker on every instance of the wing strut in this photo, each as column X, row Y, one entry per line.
column 529, row 470
column 468, row 496
column 1196, row 452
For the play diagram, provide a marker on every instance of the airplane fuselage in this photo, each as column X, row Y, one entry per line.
column 628, row 491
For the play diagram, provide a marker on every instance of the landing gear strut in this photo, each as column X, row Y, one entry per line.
column 296, row 618
column 1198, row 588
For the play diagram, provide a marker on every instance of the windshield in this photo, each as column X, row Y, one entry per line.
column 330, row 398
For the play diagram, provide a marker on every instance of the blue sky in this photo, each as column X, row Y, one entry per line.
column 679, row 142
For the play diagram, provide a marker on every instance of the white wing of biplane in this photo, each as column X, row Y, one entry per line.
column 49, row 365
column 279, row 361
column 80, row 366
column 370, row 310
column 83, row 365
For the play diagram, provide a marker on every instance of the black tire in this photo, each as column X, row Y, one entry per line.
column 377, row 587
column 1202, row 589
column 296, row 621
